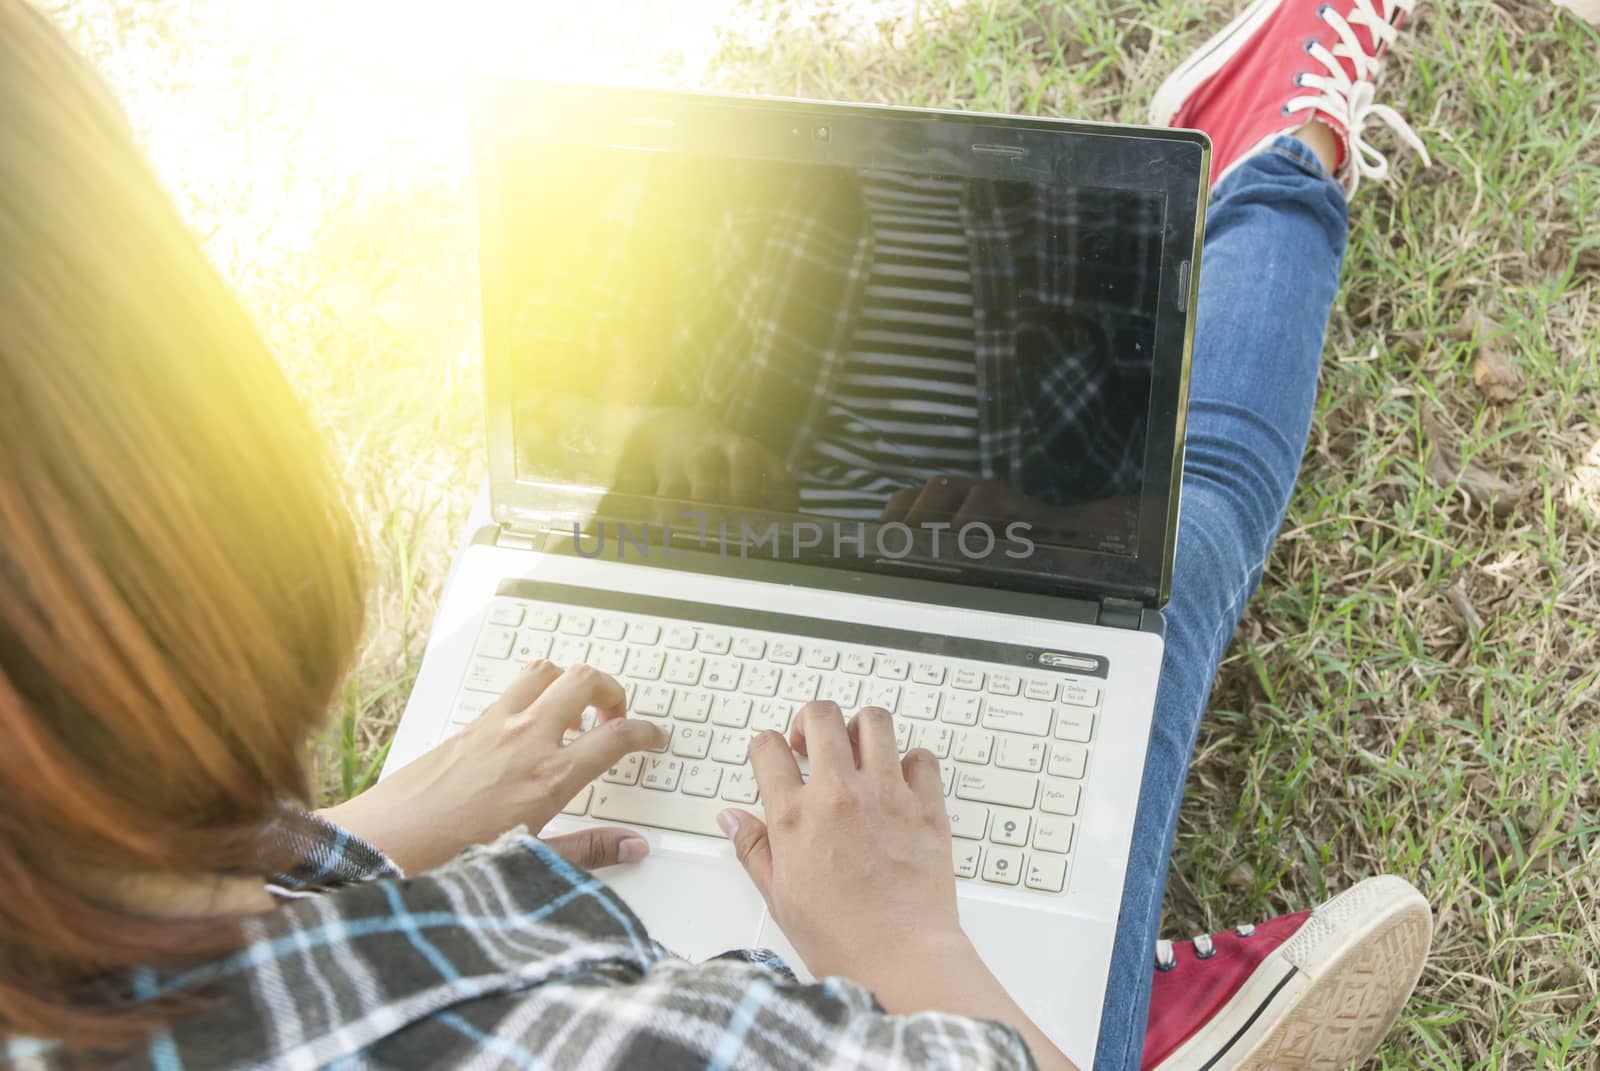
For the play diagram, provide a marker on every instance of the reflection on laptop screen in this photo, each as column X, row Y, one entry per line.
column 861, row 344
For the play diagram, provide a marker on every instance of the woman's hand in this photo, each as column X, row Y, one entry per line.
column 854, row 864
column 508, row 768
column 855, row 867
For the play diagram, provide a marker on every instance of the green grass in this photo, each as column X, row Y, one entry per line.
column 1416, row 688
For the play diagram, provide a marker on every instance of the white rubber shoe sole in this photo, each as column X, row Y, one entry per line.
column 1208, row 60
column 1326, row 997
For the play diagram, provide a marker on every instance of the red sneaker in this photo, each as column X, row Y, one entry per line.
column 1316, row 989
column 1279, row 65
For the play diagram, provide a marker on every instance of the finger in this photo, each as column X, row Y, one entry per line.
column 872, row 732
column 777, row 774
column 529, row 685
column 819, row 733
column 708, row 474
column 921, row 770
column 899, row 505
column 939, row 500
column 561, row 706
column 595, row 848
column 602, row 747
column 751, row 845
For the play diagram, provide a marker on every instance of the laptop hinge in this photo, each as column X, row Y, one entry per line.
column 1120, row 613
column 517, row 540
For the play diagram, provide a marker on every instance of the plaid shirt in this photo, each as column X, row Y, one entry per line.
column 508, row 957
column 762, row 296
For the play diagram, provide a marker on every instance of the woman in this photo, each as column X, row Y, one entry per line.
column 182, row 593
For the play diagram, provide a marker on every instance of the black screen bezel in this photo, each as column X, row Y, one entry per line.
column 1174, row 163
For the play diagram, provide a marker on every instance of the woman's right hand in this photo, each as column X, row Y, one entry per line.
column 854, row 863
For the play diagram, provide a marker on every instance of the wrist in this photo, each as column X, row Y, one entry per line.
column 910, row 973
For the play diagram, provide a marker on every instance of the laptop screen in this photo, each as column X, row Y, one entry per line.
column 855, row 361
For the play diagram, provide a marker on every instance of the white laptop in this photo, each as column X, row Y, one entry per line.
column 790, row 400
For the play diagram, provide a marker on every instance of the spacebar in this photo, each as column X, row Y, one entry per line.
column 687, row 814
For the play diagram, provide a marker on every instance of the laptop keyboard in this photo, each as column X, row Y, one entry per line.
column 1013, row 745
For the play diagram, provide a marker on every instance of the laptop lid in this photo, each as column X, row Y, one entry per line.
column 889, row 340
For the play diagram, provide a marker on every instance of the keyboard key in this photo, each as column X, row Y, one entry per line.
column 1017, row 716
column 609, row 628
column 885, row 694
column 1047, row 872
column 1074, row 723
column 800, row 685
column 1010, row 827
column 731, row 746
column 966, row 855
column 987, row 785
column 1003, row 866
column 739, row 785
column 491, row 675
column 1068, row 760
column 470, row 706
column 661, row 774
column 892, row 668
column 968, row 680
column 960, row 709
column 508, row 614
column 947, row 776
column 653, row 700
column 761, row 680
column 784, row 652
column 569, row 651
column 749, row 647
column 691, row 741
column 1040, row 689
column 644, row 663
column 1059, row 797
column 1053, row 834
column 845, row 691
column 683, row 668
column 722, row 674
column 574, row 623
column 902, row 736
column 691, row 706
column 684, row 813
column 542, row 618
column 771, row 714
column 608, row 657
column 936, row 738
column 919, row 703
column 821, row 657
column 715, row 643
column 969, row 820
column 972, row 746
column 1020, row 753
column 531, row 646
column 859, row 662
column 625, row 772
column 731, row 710
column 579, row 803
column 680, row 637
column 702, row 779
column 1005, row 683
column 642, row 632
column 1080, row 693
column 496, row 642
column 927, row 673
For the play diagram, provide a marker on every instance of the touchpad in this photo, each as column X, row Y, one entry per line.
column 696, row 905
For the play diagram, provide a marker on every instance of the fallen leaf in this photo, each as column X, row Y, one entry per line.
column 1481, row 486
column 1463, row 606
column 1492, row 369
column 1587, row 10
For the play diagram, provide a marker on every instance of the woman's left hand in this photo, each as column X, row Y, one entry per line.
column 508, row 768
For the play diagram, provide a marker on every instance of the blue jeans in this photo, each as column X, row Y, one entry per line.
column 1275, row 238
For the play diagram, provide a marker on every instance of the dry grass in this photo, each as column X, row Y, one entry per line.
column 1415, row 689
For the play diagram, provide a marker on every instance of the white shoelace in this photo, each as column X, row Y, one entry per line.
column 1350, row 101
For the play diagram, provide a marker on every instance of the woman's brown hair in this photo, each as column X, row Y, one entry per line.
column 180, row 583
